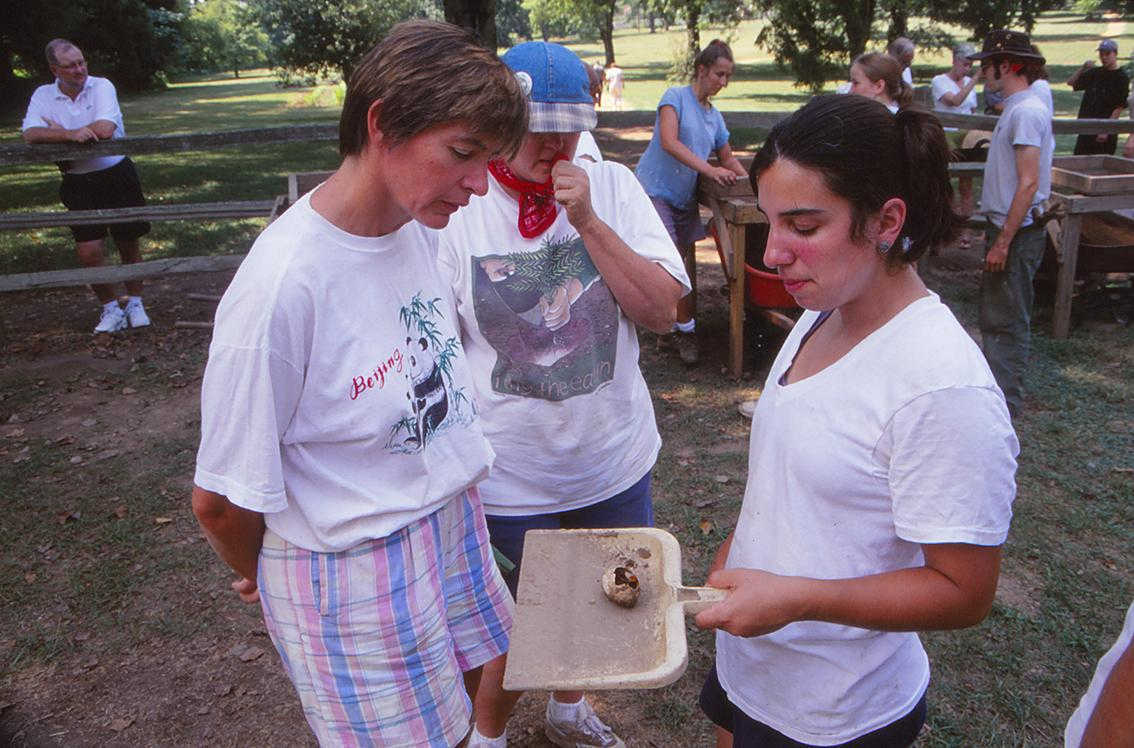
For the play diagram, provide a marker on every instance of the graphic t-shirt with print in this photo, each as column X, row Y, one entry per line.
column 337, row 398
column 554, row 360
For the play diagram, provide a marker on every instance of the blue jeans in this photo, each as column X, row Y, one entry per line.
column 630, row 508
column 1006, row 300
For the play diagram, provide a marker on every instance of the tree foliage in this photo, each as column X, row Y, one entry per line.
column 817, row 39
column 319, row 37
column 222, row 35
column 129, row 41
column 479, row 16
column 587, row 18
column 512, row 22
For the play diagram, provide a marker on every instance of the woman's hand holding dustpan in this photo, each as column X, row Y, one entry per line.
column 757, row 603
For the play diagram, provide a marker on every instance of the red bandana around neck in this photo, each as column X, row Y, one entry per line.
column 537, row 200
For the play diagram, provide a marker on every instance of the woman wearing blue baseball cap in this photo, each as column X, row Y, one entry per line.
column 553, row 270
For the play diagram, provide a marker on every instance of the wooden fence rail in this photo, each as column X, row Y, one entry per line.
column 15, row 154
column 179, row 212
column 22, row 153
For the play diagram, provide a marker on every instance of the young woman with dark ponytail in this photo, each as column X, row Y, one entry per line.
column 882, row 460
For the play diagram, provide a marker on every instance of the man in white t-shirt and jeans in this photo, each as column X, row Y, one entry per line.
column 552, row 271
column 1017, row 179
column 81, row 108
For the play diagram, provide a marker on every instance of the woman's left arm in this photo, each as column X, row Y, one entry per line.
column 729, row 161
column 954, row 589
column 645, row 291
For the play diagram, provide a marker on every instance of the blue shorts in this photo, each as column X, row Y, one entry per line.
column 630, row 508
column 684, row 225
column 748, row 733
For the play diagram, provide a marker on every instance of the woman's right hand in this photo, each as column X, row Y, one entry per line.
column 721, row 175
column 758, row 602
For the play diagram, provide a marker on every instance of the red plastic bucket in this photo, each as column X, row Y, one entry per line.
column 767, row 290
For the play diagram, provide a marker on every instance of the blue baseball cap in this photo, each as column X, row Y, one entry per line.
column 558, row 88
column 1108, row 45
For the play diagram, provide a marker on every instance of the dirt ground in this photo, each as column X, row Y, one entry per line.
column 136, row 639
column 106, row 428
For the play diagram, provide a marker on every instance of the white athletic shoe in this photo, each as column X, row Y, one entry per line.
column 585, row 731
column 113, row 319
column 136, row 314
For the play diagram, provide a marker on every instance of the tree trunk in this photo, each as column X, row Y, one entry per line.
column 899, row 13
column 857, row 16
column 653, row 23
column 692, row 20
column 479, row 16
column 607, row 30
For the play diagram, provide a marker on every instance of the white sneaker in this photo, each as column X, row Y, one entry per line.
column 136, row 314
column 585, row 731
column 476, row 740
column 113, row 319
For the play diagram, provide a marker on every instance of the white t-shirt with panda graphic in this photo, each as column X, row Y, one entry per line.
column 337, row 399
column 554, row 360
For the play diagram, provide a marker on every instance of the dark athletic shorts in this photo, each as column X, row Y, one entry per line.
column 748, row 733
column 115, row 187
column 632, row 507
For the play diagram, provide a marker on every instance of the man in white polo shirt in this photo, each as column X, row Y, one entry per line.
column 81, row 108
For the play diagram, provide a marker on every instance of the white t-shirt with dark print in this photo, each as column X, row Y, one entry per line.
column 337, row 398
column 554, row 360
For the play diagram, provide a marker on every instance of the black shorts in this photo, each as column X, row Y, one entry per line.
column 115, row 187
column 748, row 733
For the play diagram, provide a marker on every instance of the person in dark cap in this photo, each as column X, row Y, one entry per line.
column 1017, row 179
column 1105, row 89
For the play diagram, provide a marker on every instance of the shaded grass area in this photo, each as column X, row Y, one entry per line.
column 91, row 537
column 245, row 173
column 1016, row 678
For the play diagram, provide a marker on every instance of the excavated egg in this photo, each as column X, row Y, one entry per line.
column 620, row 586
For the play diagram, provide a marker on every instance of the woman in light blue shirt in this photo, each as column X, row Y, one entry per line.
column 687, row 130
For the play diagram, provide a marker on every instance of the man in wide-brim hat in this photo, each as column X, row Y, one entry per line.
column 1017, row 179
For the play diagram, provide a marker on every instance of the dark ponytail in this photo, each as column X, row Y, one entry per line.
column 928, row 193
column 867, row 156
column 904, row 95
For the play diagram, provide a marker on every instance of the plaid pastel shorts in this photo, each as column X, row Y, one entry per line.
column 376, row 637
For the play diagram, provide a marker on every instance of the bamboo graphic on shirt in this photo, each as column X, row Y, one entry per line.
column 548, row 268
column 434, row 398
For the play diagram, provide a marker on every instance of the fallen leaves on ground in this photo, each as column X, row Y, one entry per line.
column 118, row 724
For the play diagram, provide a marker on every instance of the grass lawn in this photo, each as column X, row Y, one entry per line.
column 116, row 627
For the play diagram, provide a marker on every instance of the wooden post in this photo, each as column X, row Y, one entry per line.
column 1065, row 280
column 737, row 296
